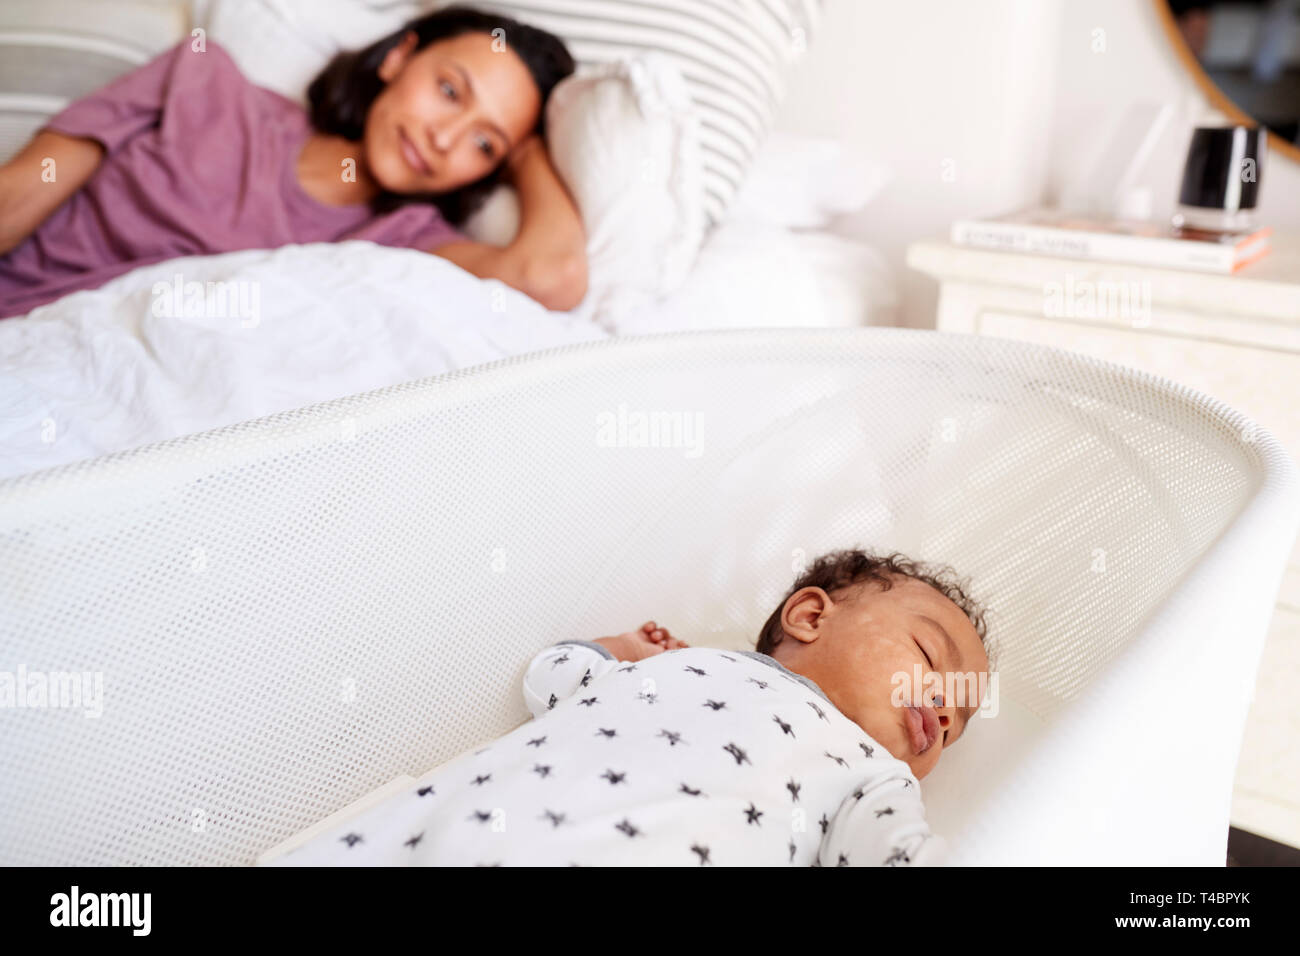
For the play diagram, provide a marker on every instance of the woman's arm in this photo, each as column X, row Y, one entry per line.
column 31, row 188
column 547, row 260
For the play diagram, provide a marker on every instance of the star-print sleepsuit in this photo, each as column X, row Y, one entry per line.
column 692, row 757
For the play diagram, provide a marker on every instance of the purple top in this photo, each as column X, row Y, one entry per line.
column 198, row 161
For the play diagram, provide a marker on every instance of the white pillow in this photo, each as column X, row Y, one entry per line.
column 762, row 275
column 805, row 182
column 283, row 44
column 734, row 56
column 624, row 137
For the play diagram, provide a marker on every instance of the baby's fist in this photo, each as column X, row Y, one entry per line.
column 659, row 635
column 637, row 645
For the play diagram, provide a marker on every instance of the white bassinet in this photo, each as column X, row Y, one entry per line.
column 290, row 612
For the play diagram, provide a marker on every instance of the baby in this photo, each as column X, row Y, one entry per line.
column 645, row 751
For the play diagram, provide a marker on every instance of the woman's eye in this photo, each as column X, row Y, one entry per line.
column 447, row 86
column 485, row 146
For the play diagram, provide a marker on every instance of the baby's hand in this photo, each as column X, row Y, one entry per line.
column 637, row 645
column 657, row 635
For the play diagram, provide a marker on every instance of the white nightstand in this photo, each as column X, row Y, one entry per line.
column 1234, row 337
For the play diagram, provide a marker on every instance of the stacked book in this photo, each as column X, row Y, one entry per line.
column 1051, row 232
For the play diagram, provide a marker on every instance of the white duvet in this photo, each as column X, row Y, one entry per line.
column 133, row 362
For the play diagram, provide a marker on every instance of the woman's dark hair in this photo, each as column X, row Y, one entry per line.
column 341, row 96
column 842, row 569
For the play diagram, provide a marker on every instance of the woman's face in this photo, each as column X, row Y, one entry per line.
column 449, row 113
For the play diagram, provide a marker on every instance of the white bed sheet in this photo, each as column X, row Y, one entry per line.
column 759, row 275
column 99, row 371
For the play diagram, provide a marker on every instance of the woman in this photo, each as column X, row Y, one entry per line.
column 184, row 156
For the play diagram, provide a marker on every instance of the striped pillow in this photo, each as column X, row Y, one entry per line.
column 733, row 55
column 55, row 51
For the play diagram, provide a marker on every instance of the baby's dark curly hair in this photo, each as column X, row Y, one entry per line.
column 841, row 569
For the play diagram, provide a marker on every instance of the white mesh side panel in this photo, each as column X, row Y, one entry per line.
column 289, row 612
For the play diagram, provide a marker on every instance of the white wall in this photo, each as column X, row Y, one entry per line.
column 956, row 86
column 1010, row 91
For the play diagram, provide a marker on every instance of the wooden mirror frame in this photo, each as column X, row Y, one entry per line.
column 1211, row 91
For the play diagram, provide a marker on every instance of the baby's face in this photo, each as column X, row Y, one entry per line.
column 855, row 643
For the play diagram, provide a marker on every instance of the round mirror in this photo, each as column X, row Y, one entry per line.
column 1245, row 57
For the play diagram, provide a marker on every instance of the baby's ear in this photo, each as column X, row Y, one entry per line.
column 803, row 613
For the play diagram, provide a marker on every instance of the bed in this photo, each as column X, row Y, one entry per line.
column 202, row 342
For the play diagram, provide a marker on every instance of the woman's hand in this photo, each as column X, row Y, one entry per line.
column 547, row 259
column 637, row 645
